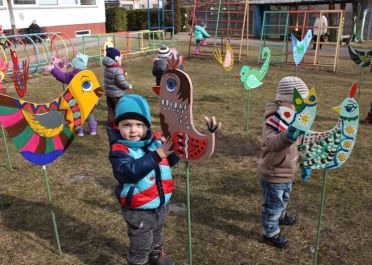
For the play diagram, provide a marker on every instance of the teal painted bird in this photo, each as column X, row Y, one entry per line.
column 251, row 78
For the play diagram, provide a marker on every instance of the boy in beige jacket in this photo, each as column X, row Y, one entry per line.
column 279, row 161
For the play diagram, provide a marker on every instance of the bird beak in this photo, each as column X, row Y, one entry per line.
column 156, row 90
column 99, row 91
column 337, row 109
column 237, row 76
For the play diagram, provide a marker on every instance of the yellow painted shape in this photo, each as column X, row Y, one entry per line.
column 311, row 93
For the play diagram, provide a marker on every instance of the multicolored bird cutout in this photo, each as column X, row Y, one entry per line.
column 251, row 78
column 3, row 68
column 299, row 48
column 331, row 149
column 228, row 62
column 19, row 77
column 176, row 117
column 361, row 58
column 42, row 132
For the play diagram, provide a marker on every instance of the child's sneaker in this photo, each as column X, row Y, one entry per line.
column 197, row 51
column 158, row 257
column 288, row 220
column 81, row 132
column 278, row 241
column 92, row 127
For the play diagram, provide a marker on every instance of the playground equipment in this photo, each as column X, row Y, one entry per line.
column 161, row 18
column 225, row 20
column 275, row 35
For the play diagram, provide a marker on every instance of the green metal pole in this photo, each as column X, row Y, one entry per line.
column 322, row 197
column 6, row 149
column 188, row 212
column 218, row 20
column 360, row 82
column 52, row 210
column 247, row 112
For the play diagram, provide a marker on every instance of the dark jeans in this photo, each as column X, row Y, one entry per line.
column 321, row 40
column 274, row 207
column 145, row 231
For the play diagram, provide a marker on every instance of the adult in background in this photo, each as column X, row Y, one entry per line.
column 322, row 30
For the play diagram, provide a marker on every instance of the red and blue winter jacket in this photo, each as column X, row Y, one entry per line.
column 145, row 180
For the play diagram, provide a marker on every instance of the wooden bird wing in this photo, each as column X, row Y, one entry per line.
column 300, row 47
column 319, row 148
column 360, row 57
column 40, row 135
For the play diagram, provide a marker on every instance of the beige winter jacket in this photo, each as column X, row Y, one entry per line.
column 279, row 158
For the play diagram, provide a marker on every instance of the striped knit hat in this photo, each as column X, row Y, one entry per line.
column 284, row 91
column 163, row 51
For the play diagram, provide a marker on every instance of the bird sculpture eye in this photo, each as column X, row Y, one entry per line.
column 87, row 86
column 350, row 107
column 312, row 98
column 171, row 85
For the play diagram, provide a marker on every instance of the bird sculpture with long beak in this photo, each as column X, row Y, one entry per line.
column 251, row 78
column 331, row 149
column 19, row 77
column 176, row 117
column 42, row 132
column 299, row 48
column 361, row 58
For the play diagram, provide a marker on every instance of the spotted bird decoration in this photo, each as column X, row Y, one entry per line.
column 42, row 132
column 299, row 48
column 176, row 116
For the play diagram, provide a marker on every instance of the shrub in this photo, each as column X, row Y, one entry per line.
column 116, row 19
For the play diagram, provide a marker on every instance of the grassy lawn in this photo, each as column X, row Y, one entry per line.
column 225, row 195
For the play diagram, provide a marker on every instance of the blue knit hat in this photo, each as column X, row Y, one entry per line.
column 80, row 61
column 112, row 53
column 135, row 107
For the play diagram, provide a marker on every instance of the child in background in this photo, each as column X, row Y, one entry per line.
column 161, row 61
column 141, row 162
column 115, row 82
column 278, row 162
column 79, row 63
column 200, row 35
column 2, row 38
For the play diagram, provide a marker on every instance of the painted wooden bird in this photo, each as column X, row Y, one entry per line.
column 176, row 117
column 19, row 76
column 3, row 68
column 361, row 58
column 331, row 149
column 299, row 48
column 251, row 78
column 228, row 61
column 42, row 132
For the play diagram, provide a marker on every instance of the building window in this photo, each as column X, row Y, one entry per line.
column 1, row 3
column 87, row 2
column 48, row 2
column 24, row 2
column 67, row 2
column 129, row 7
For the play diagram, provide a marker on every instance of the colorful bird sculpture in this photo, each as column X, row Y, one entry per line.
column 362, row 58
column 331, row 149
column 42, row 132
column 228, row 62
column 3, row 68
column 299, row 48
column 176, row 117
column 251, row 78
column 19, row 77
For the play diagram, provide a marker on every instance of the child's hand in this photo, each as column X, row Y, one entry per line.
column 166, row 148
column 48, row 68
column 130, row 86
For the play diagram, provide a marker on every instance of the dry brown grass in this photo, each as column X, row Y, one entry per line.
column 225, row 195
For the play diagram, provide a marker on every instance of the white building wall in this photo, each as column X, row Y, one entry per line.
column 53, row 15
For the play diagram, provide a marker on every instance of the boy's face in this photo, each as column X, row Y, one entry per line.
column 132, row 130
column 118, row 59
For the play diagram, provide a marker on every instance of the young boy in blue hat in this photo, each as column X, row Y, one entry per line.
column 115, row 82
column 141, row 162
column 79, row 63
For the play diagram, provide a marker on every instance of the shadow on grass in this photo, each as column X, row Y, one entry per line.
column 77, row 238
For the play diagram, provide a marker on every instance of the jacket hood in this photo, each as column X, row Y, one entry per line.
column 108, row 62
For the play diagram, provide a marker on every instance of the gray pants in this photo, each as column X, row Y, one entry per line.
column 145, row 229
